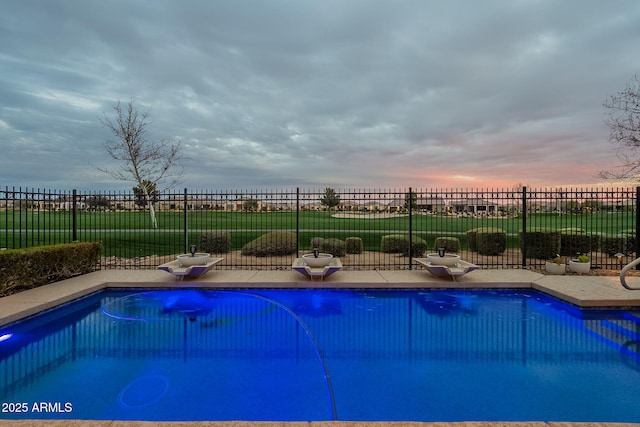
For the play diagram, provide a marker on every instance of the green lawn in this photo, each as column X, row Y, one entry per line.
column 131, row 234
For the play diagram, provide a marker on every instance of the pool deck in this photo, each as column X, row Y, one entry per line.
column 584, row 291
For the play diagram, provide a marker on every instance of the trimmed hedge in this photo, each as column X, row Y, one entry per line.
column 399, row 243
column 618, row 243
column 270, row 244
column 542, row 243
column 577, row 242
column 450, row 244
column 215, row 242
column 335, row 247
column 316, row 242
column 353, row 245
column 22, row 269
column 472, row 236
column 491, row 242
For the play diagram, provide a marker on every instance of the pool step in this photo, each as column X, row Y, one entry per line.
column 621, row 331
column 622, row 334
column 633, row 316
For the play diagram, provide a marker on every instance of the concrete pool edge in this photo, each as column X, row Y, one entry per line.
column 85, row 423
column 582, row 291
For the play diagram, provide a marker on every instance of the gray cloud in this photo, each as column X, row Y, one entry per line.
column 283, row 93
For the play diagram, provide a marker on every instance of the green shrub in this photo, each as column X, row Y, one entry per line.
column 450, row 244
column 418, row 247
column 394, row 243
column 492, row 242
column 472, row 239
column 572, row 243
column 215, row 242
column 316, row 242
column 399, row 243
column 353, row 245
column 618, row 243
column 335, row 247
column 22, row 269
column 271, row 244
column 630, row 233
column 542, row 243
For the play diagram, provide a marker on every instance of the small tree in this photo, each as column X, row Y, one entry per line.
column 147, row 191
column 250, row 205
column 147, row 163
column 624, row 126
column 330, row 198
column 516, row 195
column 98, row 202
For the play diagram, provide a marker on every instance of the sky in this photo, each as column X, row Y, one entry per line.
column 268, row 94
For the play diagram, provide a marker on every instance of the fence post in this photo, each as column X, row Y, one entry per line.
column 410, row 229
column 186, row 226
column 637, row 225
column 524, row 226
column 74, row 210
column 297, row 221
column 13, row 219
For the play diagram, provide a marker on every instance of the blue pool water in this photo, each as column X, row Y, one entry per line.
column 426, row 355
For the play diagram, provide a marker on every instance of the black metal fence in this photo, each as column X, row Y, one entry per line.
column 608, row 217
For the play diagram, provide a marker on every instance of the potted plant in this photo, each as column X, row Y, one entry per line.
column 556, row 265
column 581, row 264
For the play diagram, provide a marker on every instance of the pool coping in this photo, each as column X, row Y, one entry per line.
column 86, row 423
column 583, row 291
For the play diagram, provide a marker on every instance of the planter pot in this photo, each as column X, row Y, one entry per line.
column 322, row 260
column 188, row 260
column 579, row 267
column 448, row 259
column 553, row 268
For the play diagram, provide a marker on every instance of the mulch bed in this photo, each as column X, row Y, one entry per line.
column 234, row 260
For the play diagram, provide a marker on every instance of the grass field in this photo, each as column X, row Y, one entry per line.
column 130, row 234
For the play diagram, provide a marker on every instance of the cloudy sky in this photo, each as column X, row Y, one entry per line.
column 301, row 93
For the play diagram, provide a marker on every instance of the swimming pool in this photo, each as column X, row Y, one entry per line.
column 290, row 355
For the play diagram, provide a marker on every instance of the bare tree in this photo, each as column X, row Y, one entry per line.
column 150, row 164
column 624, row 124
column 517, row 195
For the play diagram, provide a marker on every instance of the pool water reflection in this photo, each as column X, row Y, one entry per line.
column 426, row 355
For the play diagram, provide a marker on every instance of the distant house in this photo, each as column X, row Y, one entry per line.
column 348, row 205
column 396, row 205
column 625, row 205
column 474, row 206
column 425, row 204
column 372, row 206
column 431, row 204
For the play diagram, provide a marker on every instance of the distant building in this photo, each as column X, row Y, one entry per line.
column 431, row 204
column 474, row 206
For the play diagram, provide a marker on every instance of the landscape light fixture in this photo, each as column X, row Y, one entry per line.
column 619, row 256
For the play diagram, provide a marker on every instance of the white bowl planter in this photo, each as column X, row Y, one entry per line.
column 188, row 260
column 447, row 259
column 322, row 260
column 579, row 267
column 553, row 268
